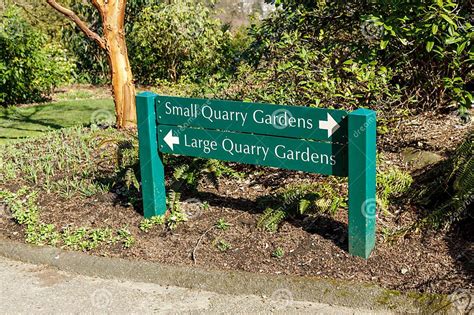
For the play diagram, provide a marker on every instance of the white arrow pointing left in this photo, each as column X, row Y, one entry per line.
column 171, row 140
column 330, row 125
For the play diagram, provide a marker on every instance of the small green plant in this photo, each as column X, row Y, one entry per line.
column 22, row 205
column 223, row 245
column 311, row 198
column 42, row 234
column 221, row 224
column 125, row 237
column 147, row 224
column 86, row 239
column 390, row 234
column 170, row 220
column 25, row 212
column 391, row 183
column 278, row 253
column 300, row 199
column 320, row 197
column 74, row 238
column 270, row 219
column 191, row 171
column 174, row 219
column 176, row 215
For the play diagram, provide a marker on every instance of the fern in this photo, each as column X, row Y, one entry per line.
column 463, row 166
column 271, row 219
column 304, row 198
column 303, row 205
column 463, row 184
column 191, row 171
column 449, row 189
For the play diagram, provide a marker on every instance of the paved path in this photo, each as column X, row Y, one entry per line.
column 26, row 288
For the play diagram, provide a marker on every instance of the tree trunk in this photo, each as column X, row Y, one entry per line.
column 113, row 18
column 113, row 42
column 122, row 80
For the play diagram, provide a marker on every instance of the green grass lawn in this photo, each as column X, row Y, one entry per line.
column 22, row 122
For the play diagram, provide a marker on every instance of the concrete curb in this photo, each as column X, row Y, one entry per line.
column 332, row 292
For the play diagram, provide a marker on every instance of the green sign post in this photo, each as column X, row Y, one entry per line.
column 323, row 141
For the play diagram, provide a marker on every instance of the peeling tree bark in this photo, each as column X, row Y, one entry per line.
column 113, row 42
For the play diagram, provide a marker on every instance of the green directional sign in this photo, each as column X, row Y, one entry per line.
column 323, row 141
column 276, row 120
column 295, row 154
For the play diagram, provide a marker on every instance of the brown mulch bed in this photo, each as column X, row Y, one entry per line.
column 314, row 246
column 434, row 132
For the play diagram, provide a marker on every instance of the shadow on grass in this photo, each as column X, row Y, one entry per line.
column 19, row 117
column 22, row 122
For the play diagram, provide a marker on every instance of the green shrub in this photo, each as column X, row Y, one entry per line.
column 177, row 41
column 30, row 67
column 379, row 54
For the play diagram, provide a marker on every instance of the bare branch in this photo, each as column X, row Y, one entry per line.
column 73, row 17
column 98, row 5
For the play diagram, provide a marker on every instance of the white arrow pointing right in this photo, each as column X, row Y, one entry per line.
column 171, row 140
column 330, row 125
